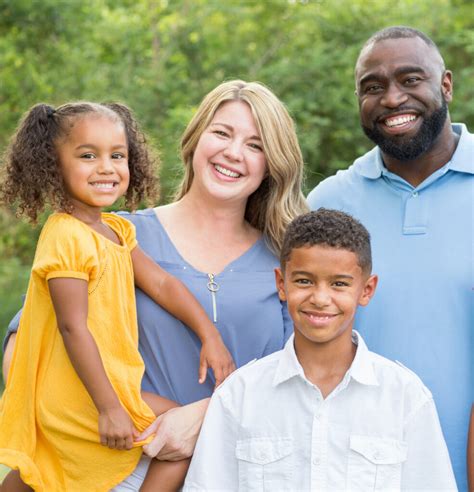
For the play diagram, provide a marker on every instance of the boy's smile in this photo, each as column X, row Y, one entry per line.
column 323, row 287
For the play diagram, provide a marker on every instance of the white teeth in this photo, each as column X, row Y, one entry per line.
column 105, row 186
column 399, row 121
column 226, row 172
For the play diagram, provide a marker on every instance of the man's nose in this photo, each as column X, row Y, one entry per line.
column 394, row 96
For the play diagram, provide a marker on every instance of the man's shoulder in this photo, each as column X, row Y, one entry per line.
column 334, row 190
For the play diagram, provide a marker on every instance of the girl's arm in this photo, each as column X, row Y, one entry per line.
column 171, row 294
column 70, row 303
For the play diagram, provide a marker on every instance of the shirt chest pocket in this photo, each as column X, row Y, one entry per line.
column 375, row 463
column 265, row 463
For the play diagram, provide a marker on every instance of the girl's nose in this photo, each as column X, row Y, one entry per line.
column 105, row 166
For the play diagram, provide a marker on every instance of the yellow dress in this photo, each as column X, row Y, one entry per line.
column 48, row 421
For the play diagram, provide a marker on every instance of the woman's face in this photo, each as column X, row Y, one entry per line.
column 229, row 163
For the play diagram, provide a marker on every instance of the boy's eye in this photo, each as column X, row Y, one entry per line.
column 341, row 283
column 302, row 281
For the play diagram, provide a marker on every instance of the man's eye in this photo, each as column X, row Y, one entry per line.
column 373, row 89
column 412, row 80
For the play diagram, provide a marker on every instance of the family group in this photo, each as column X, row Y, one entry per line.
column 349, row 314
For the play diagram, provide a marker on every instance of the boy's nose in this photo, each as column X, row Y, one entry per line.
column 320, row 297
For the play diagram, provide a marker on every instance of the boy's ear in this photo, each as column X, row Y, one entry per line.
column 280, row 284
column 369, row 290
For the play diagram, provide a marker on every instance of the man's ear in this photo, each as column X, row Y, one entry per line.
column 369, row 290
column 280, row 284
column 447, row 85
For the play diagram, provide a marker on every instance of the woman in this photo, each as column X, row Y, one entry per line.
column 221, row 237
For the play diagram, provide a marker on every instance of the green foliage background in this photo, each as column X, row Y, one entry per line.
column 160, row 57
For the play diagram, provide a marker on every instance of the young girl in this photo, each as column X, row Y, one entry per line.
column 74, row 383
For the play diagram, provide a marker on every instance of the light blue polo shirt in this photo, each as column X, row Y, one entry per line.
column 423, row 251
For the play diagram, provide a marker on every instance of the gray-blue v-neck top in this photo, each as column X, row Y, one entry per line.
column 244, row 306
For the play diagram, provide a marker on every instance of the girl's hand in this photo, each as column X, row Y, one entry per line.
column 214, row 354
column 116, row 428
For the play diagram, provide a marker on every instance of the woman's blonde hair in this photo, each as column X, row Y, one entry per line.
column 279, row 199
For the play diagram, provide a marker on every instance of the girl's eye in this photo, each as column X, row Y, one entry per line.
column 118, row 155
column 88, row 155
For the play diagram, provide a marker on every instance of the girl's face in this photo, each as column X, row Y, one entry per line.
column 229, row 163
column 93, row 159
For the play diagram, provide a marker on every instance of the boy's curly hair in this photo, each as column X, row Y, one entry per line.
column 31, row 176
column 330, row 228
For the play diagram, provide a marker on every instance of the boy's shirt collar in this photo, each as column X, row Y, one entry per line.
column 361, row 368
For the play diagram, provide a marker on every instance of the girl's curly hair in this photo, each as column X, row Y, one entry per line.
column 31, row 176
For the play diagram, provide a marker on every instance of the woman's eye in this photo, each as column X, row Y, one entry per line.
column 221, row 133
column 256, row 147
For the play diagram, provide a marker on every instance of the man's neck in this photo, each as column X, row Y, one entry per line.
column 417, row 170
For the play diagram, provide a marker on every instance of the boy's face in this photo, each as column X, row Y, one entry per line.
column 323, row 287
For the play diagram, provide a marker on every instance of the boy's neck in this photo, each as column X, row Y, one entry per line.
column 325, row 364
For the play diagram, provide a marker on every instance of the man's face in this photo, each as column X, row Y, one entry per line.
column 403, row 92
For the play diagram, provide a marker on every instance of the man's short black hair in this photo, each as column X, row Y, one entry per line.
column 397, row 32
column 330, row 228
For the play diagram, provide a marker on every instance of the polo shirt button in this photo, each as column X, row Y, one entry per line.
column 414, row 194
column 316, row 461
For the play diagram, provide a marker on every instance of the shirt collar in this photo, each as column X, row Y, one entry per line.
column 371, row 165
column 361, row 369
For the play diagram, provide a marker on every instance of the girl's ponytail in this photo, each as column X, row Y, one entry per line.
column 30, row 175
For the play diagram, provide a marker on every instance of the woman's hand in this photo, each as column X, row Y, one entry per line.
column 116, row 428
column 214, row 354
column 176, row 432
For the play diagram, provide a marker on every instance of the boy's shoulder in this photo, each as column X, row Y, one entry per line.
column 397, row 377
column 255, row 375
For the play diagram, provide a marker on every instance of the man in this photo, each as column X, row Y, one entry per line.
column 414, row 192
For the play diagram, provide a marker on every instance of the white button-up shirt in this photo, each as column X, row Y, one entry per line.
column 269, row 428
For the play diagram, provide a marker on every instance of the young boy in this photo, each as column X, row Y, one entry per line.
column 324, row 413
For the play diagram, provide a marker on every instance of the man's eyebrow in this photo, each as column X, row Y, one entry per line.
column 399, row 71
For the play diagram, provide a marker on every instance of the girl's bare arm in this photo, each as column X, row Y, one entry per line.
column 70, row 301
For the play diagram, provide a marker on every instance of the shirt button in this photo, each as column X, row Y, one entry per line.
column 316, row 461
column 414, row 194
column 263, row 456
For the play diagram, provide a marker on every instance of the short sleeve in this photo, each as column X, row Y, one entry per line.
column 66, row 249
column 123, row 227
